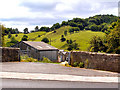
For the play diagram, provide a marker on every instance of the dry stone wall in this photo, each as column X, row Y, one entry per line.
column 100, row 61
column 10, row 54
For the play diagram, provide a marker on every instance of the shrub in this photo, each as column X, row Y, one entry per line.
column 81, row 65
column 86, row 63
column 46, row 60
column 75, row 64
column 27, row 59
column 46, row 40
column 38, row 35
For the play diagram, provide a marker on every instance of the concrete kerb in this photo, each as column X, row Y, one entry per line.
column 57, row 77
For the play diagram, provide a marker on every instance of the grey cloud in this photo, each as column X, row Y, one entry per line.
column 39, row 6
column 36, row 21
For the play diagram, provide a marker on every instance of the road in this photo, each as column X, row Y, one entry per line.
column 17, row 83
column 49, row 68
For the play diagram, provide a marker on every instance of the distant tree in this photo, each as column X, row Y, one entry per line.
column 32, row 31
column 16, row 35
column 12, row 42
column 76, row 29
column 26, row 31
column 73, row 24
column 69, row 41
column 46, row 40
column 62, row 38
column 55, row 26
column 54, row 31
column 65, row 32
column 9, row 35
column 71, row 30
column 113, row 38
column 25, row 38
column 39, row 35
column 46, row 29
column 81, row 27
column 36, row 28
column 64, row 23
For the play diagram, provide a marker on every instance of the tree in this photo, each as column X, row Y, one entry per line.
column 36, row 28
column 113, row 38
column 62, row 38
column 12, row 42
column 71, row 30
column 26, row 31
column 25, row 38
column 65, row 32
column 64, row 23
column 46, row 40
column 2, row 34
column 76, row 29
column 46, row 29
column 16, row 35
column 69, row 41
column 9, row 35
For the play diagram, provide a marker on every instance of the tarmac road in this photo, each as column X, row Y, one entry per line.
column 18, row 83
column 49, row 68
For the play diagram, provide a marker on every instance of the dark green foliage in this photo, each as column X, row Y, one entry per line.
column 81, row 65
column 72, row 45
column 110, row 43
column 46, row 40
column 26, row 31
column 113, row 38
column 16, row 35
column 75, row 64
column 55, row 26
column 9, row 35
column 65, row 32
column 71, row 30
column 54, row 31
column 11, row 30
column 69, row 41
column 25, row 38
column 38, row 35
column 46, row 29
column 97, row 44
column 36, row 28
column 12, row 42
column 64, row 23
column 32, row 31
column 62, row 38
column 95, row 23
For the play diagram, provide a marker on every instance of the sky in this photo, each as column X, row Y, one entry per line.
column 30, row 13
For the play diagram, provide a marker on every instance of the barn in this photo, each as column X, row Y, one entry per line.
column 38, row 50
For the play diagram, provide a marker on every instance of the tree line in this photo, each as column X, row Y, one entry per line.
column 110, row 43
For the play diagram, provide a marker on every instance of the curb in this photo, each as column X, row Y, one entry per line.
column 57, row 77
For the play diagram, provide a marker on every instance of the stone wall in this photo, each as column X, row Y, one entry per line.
column 10, row 54
column 100, row 61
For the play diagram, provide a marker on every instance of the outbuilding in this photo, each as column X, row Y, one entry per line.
column 38, row 50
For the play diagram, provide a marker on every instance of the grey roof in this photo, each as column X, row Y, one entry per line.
column 40, row 45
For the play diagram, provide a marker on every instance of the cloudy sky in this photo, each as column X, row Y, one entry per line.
column 30, row 13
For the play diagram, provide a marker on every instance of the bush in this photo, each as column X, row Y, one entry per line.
column 75, row 64
column 86, row 63
column 63, row 39
column 46, row 60
column 81, row 65
column 25, row 38
column 27, row 59
column 38, row 35
column 46, row 40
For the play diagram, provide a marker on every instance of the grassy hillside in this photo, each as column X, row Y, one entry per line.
column 81, row 37
column 31, row 36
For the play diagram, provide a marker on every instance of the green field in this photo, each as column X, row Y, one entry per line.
column 81, row 37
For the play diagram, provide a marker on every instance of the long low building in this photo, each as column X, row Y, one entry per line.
column 38, row 50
